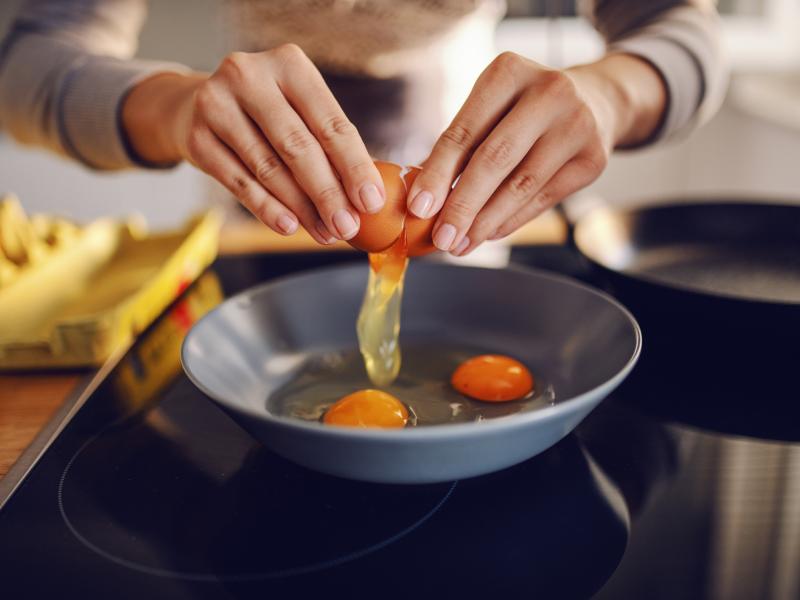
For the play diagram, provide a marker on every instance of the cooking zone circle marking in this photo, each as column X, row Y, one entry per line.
column 233, row 577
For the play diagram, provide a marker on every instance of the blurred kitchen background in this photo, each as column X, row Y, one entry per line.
column 751, row 147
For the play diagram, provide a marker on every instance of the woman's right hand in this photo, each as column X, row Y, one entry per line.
column 267, row 127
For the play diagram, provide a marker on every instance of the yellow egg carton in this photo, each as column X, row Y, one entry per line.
column 70, row 295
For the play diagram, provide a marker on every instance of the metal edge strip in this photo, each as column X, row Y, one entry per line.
column 53, row 428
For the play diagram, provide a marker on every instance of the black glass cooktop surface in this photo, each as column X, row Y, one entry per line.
column 151, row 491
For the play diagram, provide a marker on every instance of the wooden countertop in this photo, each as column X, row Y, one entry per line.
column 28, row 401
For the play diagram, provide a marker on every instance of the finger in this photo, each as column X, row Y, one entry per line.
column 570, row 178
column 313, row 100
column 493, row 95
column 219, row 161
column 492, row 163
column 242, row 136
column 302, row 154
column 309, row 165
column 552, row 151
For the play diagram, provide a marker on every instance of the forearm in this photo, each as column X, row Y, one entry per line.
column 628, row 93
column 64, row 69
column 155, row 116
column 679, row 39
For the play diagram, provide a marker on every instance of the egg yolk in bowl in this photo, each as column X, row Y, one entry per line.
column 493, row 378
column 367, row 408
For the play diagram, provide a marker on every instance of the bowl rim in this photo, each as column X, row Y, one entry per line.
column 429, row 432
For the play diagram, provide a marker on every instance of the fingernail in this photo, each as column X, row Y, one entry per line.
column 287, row 224
column 462, row 245
column 444, row 236
column 421, row 204
column 326, row 235
column 371, row 197
column 345, row 224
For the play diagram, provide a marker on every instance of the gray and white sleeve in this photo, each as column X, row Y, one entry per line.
column 681, row 40
column 65, row 68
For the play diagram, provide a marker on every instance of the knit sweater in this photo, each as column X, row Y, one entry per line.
column 66, row 65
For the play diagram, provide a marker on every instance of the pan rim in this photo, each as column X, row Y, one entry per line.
column 429, row 432
column 677, row 203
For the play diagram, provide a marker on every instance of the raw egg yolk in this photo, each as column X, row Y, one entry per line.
column 493, row 378
column 367, row 408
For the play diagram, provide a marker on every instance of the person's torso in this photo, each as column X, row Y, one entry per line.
column 399, row 69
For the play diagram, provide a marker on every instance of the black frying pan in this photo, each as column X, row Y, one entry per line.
column 716, row 288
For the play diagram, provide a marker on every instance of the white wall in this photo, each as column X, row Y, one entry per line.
column 734, row 154
column 45, row 183
column 193, row 33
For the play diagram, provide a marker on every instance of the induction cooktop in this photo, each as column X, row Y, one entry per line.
column 149, row 490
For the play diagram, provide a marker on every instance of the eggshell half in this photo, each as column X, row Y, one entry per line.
column 419, row 232
column 378, row 231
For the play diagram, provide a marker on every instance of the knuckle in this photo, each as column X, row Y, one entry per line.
column 435, row 177
column 241, row 188
column 361, row 168
column 584, row 120
column 481, row 228
column 507, row 61
column 506, row 69
column 297, row 144
column 288, row 52
column 598, row 160
column 195, row 141
column 559, row 84
column 430, row 179
column 458, row 135
column 436, row 181
column 252, row 197
column 541, row 202
column 336, row 127
column 593, row 163
column 330, row 197
column 205, row 98
column 266, row 166
column 306, row 213
column 513, row 223
column 266, row 216
column 263, row 214
column 459, row 208
column 583, row 125
column 235, row 63
column 524, row 184
column 500, row 232
column 496, row 154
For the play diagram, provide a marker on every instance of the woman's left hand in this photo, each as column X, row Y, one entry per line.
column 526, row 138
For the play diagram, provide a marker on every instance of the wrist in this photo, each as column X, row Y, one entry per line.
column 628, row 92
column 155, row 114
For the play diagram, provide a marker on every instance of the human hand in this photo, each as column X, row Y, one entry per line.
column 526, row 138
column 267, row 127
